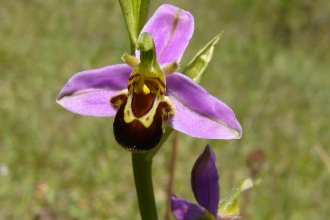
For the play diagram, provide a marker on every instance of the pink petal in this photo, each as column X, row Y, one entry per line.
column 89, row 92
column 171, row 29
column 198, row 113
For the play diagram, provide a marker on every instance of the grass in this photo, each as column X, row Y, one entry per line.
column 271, row 66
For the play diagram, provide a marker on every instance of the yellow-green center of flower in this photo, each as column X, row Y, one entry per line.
column 143, row 108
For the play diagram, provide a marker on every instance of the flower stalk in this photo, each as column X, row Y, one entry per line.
column 142, row 169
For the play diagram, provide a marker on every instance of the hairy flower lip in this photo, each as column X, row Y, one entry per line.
column 198, row 113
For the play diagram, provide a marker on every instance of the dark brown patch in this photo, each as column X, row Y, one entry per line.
column 118, row 100
column 167, row 110
column 141, row 104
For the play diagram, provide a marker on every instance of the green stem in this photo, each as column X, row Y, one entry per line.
column 144, row 9
column 142, row 168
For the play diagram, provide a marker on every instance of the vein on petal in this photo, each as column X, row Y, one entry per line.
column 80, row 93
column 174, row 27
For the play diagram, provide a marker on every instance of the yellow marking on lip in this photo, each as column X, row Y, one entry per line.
column 146, row 119
column 145, row 90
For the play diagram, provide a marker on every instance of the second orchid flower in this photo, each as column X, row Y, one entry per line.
column 206, row 189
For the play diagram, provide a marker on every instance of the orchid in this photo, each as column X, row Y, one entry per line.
column 206, row 189
column 189, row 107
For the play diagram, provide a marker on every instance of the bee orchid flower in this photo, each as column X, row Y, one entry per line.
column 147, row 92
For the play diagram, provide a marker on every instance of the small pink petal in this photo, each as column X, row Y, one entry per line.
column 171, row 29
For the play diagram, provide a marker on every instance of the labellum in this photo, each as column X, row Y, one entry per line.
column 143, row 107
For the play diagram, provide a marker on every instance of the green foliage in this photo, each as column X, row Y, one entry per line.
column 228, row 205
column 196, row 68
column 135, row 14
column 271, row 66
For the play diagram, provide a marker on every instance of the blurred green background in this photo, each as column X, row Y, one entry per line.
column 271, row 67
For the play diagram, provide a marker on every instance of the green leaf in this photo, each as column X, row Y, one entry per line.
column 197, row 66
column 135, row 13
column 206, row 216
column 228, row 207
column 144, row 9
